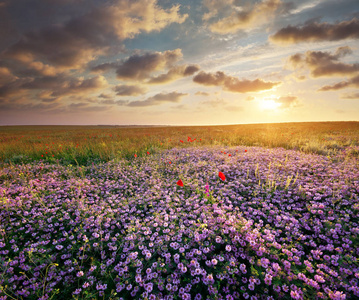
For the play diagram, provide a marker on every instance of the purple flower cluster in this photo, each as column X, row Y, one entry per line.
column 283, row 225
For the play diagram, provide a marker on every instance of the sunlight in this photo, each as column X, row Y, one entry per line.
column 269, row 104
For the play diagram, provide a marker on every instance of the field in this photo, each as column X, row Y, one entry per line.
column 265, row 211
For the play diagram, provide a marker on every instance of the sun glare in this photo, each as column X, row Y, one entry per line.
column 269, row 104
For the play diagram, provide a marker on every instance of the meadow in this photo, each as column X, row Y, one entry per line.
column 263, row 211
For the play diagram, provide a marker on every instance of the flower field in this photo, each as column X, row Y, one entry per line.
column 208, row 222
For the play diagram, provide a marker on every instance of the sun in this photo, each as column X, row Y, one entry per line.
column 269, row 104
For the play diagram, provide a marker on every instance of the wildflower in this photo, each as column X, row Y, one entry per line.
column 179, row 182
column 222, row 176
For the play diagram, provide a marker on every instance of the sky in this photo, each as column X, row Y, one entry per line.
column 184, row 62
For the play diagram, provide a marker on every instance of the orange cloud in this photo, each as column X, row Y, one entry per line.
column 173, row 97
column 287, row 101
column 316, row 32
column 353, row 82
column 233, row 84
column 247, row 17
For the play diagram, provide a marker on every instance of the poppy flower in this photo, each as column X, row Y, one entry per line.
column 221, row 175
column 135, row 155
column 179, row 182
column 148, row 152
column 245, row 150
column 229, row 154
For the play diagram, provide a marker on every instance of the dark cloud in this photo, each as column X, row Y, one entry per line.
column 353, row 82
column 20, row 106
column 129, row 90
column 157, row 99
column 233, row 84
column 108, row 102
column 324, row 63
column 316, row 32
column 8, row 30
column 61, row 85
column 139, row 67
column 80, row 40
column 174, row 73
column 244, row 17
column 104, row 67
column 105, row 96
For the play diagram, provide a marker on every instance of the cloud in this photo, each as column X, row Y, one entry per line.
column 174, row 73
column 129, row 90
column 246, row 17
column 61, row 85
column 323, row 64
column 199, row 93
column 353, row 82
column 316, row 32
column 214, row 6
column 80, row 40
column 233, row 84
column 139, row 67
column 105, row 96
column 157, row 99
column 104, row 67
column 6, row 76
column 287, row 101
column 350, row 96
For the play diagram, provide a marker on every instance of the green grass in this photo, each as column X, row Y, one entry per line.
column 84, row 145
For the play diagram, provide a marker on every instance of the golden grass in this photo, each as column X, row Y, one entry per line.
column 86, row 144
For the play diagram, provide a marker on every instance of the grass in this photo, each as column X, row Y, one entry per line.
column 84, row 145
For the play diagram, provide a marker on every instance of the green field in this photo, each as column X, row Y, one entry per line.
column 86, row 144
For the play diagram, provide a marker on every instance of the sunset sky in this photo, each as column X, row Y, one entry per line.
column 185, row 62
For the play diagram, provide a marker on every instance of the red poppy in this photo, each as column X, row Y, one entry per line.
column 221, row 175
column 148, row 152
column 135, row 155
column 245, row 150
column 179, row 182
column 229, row 154
column 169, row 162
column 181, row 141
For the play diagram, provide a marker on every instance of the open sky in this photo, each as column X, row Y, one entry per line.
column 181, row 62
